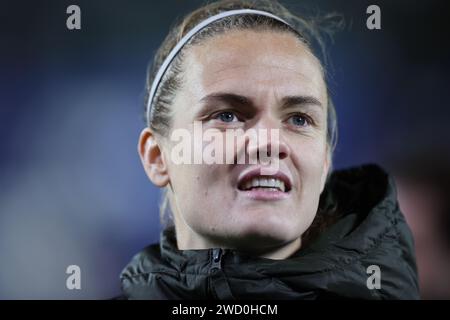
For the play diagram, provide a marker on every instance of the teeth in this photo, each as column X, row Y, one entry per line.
column 265, row 183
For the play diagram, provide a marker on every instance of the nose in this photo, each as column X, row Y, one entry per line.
column 269, row 142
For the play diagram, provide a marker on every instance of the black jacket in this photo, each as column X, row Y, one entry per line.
column 371, row 231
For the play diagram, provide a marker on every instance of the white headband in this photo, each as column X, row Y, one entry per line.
column 186, row 38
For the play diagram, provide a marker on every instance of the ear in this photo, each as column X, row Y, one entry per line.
column 152, row 158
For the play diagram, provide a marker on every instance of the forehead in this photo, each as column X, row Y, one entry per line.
column 254, row 63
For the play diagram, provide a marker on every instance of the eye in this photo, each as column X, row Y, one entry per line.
column 298, row 120
column 226, row 116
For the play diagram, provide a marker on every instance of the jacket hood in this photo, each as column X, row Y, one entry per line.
column 371, row 232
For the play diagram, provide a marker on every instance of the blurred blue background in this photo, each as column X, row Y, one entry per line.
column 72, row 190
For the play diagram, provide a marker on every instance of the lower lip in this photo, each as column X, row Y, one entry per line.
column 265, row 195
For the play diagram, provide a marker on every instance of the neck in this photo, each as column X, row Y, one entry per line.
column 188, row 239
column 284, row 251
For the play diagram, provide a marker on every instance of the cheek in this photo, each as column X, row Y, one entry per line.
column 198, row 190
column 309, row 158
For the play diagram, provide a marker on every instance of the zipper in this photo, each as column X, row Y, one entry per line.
column 216, row 259
column 218, row 284
column 216, row 263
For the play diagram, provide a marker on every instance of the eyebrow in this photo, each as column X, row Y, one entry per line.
column 290, row 101
column 232, row 98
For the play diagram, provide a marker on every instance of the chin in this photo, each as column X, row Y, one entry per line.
column 262, row 233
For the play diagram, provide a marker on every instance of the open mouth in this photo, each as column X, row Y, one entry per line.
column 255, row 181
column 267, row 183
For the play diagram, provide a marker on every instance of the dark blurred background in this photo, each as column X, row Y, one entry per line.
column 72, row 190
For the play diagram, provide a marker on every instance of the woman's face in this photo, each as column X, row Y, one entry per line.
column 226, row 204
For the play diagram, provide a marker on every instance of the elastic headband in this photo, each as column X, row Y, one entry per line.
column 162, row 70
